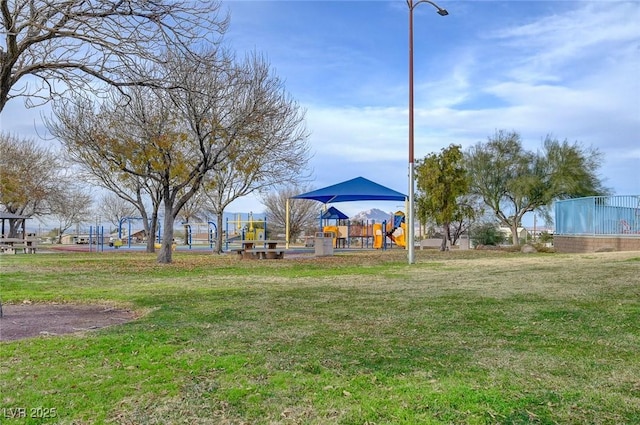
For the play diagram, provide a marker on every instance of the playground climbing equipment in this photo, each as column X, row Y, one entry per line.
column 397, row 229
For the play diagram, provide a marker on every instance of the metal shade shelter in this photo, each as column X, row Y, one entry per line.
column 333, row 214
column 16, row 218
column 358, row 189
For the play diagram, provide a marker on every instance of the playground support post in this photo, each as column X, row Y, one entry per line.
column 286, row 220
column 99, row 238
column 128, row 219
column 188, row 229
column 226, row 230
column 410, row 212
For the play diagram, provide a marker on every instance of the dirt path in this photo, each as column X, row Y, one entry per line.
column 30, row 320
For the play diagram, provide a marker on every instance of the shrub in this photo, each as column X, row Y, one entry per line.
column 487, row 234
column 545, row 237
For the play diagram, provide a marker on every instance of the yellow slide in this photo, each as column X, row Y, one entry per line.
column 378, row 236
column 398, row 235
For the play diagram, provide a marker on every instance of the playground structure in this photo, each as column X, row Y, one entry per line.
column 249, row 229
column 367, row 233
column 357, row 189
column 239, row 229
column 119, row 242
column 397, row 229
column 242, row 227
column 356, row 234
column 200, row 234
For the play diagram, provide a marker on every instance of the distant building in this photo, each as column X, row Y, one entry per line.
column 82, row 238
column 523, row 234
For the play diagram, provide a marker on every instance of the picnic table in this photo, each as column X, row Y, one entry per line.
column 15, row 245
column 261, row 249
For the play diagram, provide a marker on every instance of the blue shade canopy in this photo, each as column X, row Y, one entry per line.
column 358, row 189
column 334, row 214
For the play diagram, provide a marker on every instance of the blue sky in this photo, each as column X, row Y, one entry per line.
column 566, row 68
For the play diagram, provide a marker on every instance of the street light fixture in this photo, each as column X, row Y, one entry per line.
column 410, row 213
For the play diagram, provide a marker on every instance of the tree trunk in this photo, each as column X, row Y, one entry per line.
column 514, row 233
column 14, row 225
column 151, row 236
column 219, row 235
column 149, row 229
column 165, row 255
column 153, row 229
column 446, row 236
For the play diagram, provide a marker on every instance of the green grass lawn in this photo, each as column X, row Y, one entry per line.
column 457, row 338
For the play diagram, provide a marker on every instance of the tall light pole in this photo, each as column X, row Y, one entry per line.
column 410, row 213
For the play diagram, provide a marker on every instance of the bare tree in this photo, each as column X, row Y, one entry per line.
column 221, row 187
column 253, row 131
column 470, row 208
column 175, row 138
column 274, row 153
column 193, row 209
column 72, row 45
column 73, row 206
column 230, row 181
column 114, row 208
column 85, row 131
column 30, row 177
column 303, row 213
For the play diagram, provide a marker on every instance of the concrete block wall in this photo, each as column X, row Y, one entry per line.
column 564, row 243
